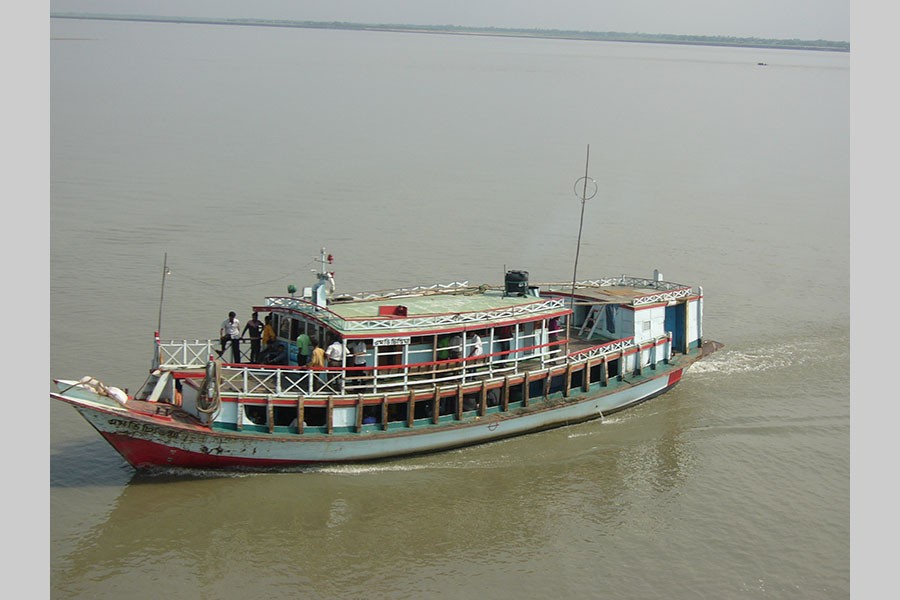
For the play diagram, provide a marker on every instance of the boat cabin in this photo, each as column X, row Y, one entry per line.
column 428, row 354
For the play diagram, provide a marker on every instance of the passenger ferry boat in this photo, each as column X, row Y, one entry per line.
column 438, row 367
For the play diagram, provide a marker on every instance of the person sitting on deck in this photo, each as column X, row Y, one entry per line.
column 276, row 354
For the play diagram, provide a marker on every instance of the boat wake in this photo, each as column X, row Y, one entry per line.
column 366, row 469
column 593, row 430
column 767, row 358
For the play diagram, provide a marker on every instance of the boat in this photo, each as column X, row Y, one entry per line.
column 419, row 370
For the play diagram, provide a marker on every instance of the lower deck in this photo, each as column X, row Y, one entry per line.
column 501, row 397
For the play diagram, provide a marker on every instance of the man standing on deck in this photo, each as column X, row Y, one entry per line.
column 358, row 348
column 255, row 327
column 304, row 347
column 231, row 330
column 335, row 353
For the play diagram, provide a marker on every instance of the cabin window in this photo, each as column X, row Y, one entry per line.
column 296, row 328
column 390, row 355
column 284, row 329
column 527, row 338
column 420, row 350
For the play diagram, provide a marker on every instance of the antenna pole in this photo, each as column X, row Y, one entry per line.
column 584, row 198
column 162, row 290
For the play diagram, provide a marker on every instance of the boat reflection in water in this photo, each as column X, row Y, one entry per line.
column 327, row 528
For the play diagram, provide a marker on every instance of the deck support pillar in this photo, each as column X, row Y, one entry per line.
column 300, row 416
column 526, row 388
column 436, row 408
column 359, row 412
column 639, row 361
column 329, row 417
column 410, row 411
column 504, row 402
column 586, row 379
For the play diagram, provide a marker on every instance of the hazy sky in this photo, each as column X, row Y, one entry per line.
column 780, row 19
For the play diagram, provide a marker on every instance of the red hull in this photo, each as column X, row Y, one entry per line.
column 144, row 454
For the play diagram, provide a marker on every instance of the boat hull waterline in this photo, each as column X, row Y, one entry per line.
column 152, row 441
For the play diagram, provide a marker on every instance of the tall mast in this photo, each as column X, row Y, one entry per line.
column 162, row 289
column 584, row 198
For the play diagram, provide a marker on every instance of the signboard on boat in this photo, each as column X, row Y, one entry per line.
column 391, row 341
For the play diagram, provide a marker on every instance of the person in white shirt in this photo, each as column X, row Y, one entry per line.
column 231, row 331
column 335, row 354
column 359, row 353
column 358, row 350
column 477, row 350
column 477, row 347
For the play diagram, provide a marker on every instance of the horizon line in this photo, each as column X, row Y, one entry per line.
column 568, row 33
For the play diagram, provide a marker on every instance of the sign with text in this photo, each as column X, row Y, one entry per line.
column 391, row 341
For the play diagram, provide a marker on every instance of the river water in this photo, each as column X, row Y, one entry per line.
column 236, row 153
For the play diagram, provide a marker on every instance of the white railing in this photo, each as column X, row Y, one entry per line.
column 256, row 382
column 416, row 322
column 668, row 290
column 186, row 354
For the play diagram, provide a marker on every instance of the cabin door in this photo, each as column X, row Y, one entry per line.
column 675, row 324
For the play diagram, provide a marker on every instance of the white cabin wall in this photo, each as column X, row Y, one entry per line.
column 693, row 317
column 655, row 317
column 623, row 321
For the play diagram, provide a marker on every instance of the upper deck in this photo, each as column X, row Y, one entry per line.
column 445, row 307
column 420, row 309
